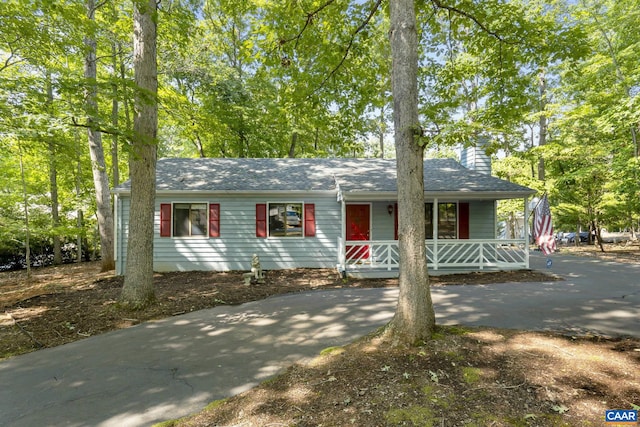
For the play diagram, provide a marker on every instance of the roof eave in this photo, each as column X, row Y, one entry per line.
column 247, row 193
column 453, row 195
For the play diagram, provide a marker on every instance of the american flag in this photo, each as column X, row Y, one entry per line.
column 542, row 227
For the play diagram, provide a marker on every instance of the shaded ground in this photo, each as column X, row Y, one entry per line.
column 462, row 377
column 621, row 252
column 71, row 302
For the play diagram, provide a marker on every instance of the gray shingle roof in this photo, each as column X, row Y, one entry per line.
column 353, row 176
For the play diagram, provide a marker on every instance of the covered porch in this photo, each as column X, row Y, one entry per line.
column 461, row 237
column 461, row 220
column 381, row 258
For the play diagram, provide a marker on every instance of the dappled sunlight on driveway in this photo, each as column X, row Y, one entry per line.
column 173, row 367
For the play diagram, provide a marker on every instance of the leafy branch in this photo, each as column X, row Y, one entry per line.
column 309, row 20
column 361, row 27
column 310, row 17
column 9, row 61
column 75, row 123
column 483, row 27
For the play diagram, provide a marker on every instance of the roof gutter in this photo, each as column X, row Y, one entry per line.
column 127, row 192
column 444, row 195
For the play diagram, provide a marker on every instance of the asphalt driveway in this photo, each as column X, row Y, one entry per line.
column 170, row 368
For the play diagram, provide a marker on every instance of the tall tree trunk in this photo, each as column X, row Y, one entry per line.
column 292, row 147
column 55, row 215
column 79, row 213
column 542, row 86
column 115, row 172
column 53, row 184
column 315, row 140
column 96, row 151
column 414, row 320
column 198, row 144
column 27, row 229
column 115, row 105
column 381, row 135
column 137, row 290
column 125, row 99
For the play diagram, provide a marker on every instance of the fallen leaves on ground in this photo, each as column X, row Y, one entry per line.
column 464, row 376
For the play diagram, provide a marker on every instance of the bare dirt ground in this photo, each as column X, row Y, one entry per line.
column 464, row 376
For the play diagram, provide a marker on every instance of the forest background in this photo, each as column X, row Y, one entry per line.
column 550, row 86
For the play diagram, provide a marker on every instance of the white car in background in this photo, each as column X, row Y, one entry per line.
column 293, row 219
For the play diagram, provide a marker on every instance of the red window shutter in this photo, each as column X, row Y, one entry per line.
column 261, row 220
column 165, row 219
column 463, row 220
column 214, row 220
column 395, row 221
column 309, row 220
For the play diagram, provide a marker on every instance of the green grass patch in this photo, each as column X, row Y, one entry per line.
column 471, row 375
column 331, row 350
column 441, row 332
column 213, row 405
column 416, row 415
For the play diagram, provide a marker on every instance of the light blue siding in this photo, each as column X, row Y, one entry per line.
column 482, row 219
column 237, row 243
column 382, row 227
column 122, row 233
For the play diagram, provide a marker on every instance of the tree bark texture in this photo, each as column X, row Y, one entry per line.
column 137, row 290
column 114, row 116
column 292, row 147
column 53, row 185
column 27, row 229
column 96, row 151
column 414, row 320
column 542, row 86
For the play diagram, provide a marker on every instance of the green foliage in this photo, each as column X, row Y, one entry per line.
column 266, row 79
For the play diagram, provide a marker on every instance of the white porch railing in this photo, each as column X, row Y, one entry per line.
column 476, row 254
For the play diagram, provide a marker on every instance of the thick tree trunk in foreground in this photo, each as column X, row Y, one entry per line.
column 96, row 151
column 137, row 290
column 414, row 320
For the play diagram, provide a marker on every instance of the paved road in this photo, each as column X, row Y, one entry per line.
column 170, row 368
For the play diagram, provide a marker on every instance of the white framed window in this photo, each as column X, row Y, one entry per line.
column 286, row 219
column 447, row 220
column 190, row 219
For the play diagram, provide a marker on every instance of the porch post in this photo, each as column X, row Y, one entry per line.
column 435, row 232
column 526, row 231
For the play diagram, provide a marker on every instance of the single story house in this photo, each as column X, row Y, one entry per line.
column 214, row 214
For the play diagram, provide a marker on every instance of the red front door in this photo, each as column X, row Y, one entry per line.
column 358, row 228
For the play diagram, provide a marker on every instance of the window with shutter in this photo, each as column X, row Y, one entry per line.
column 190, row 219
